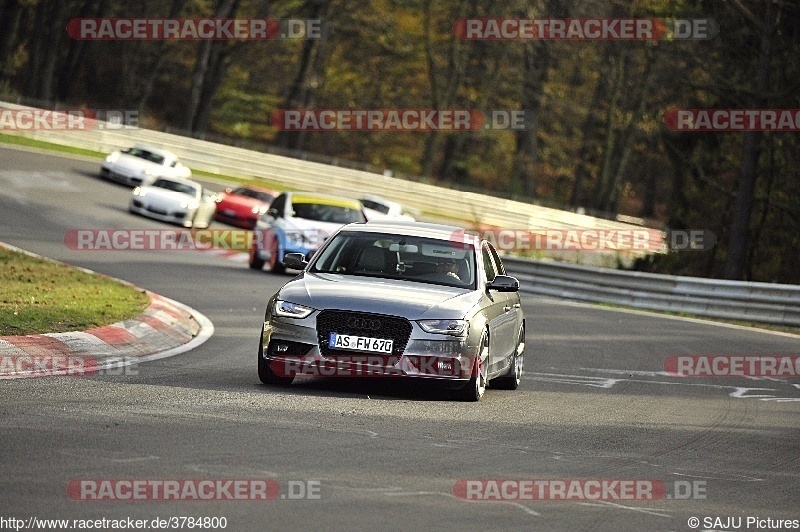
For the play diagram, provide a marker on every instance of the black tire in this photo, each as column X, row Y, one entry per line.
column 275, row 266
column 476, row 387
column 256, row 263
column 512, row 379
column 265, row 372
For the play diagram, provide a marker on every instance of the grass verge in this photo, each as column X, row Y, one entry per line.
column 33, row 143
column 38, row 296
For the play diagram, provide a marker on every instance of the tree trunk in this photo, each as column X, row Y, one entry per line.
column 302, row 91
column 10, row 17
column 588, row 130
column 442, row 97
column 736, row 261
column 537, row 63
column 225, row 9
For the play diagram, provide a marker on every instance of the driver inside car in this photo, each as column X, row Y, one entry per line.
column 448, row 267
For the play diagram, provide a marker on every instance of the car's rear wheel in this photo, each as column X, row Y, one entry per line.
column 256, row 263
column 265, row 372
column 512, row 379
column 275, row 266
column 476, row 387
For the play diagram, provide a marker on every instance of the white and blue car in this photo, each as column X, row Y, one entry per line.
column 299, row 222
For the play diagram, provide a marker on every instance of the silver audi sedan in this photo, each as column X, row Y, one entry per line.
column 397, row 299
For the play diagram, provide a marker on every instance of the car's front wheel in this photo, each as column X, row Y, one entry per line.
column 275, row 265
column 265, row 372
column 512, row 379
column 476, row 387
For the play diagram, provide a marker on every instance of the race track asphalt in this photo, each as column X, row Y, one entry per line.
column 594, row 404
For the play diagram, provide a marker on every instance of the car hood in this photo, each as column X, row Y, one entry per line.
column 136, row 163
column 239, row 203
column 411, row 300
column 161, row 197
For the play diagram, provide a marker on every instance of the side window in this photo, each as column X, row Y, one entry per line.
column 501, row 270
column 488, row 263
column 279, row 205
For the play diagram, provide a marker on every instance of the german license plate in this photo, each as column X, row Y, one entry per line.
column 360, row 343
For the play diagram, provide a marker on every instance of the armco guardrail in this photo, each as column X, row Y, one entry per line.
column 291, row 173
column 735, row 300
column 758, row 302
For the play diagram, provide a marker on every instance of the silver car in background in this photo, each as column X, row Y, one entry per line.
column 397, row 299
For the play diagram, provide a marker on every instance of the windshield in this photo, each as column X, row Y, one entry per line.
column 146, row 155
column 375, row 206
column 419, row 259
column 266, row 197
column 322, row 212
column 175, row 186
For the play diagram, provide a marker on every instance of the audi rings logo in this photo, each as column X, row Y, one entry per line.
column 364, row 323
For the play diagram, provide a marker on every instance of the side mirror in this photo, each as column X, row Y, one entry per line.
column 273, row 213
column 503, row 283
column 295, row 261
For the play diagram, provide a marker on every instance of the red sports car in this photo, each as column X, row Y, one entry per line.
column 243, row 205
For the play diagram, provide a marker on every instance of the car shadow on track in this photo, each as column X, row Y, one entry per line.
column 97, row 176
column 387, row 389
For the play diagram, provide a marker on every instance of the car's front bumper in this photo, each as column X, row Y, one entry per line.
column 134, row 179
column 230, row 217
column 174, row 216
column 291, row 347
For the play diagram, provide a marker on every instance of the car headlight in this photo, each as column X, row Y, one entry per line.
column 451, row 327
column 112, row 158
column 291, row 310
column 190, row 204
column 260, row 209
column 138, row 191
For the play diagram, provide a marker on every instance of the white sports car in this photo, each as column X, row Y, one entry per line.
column 141, row 165
column 175, row 200
column 379, row 208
